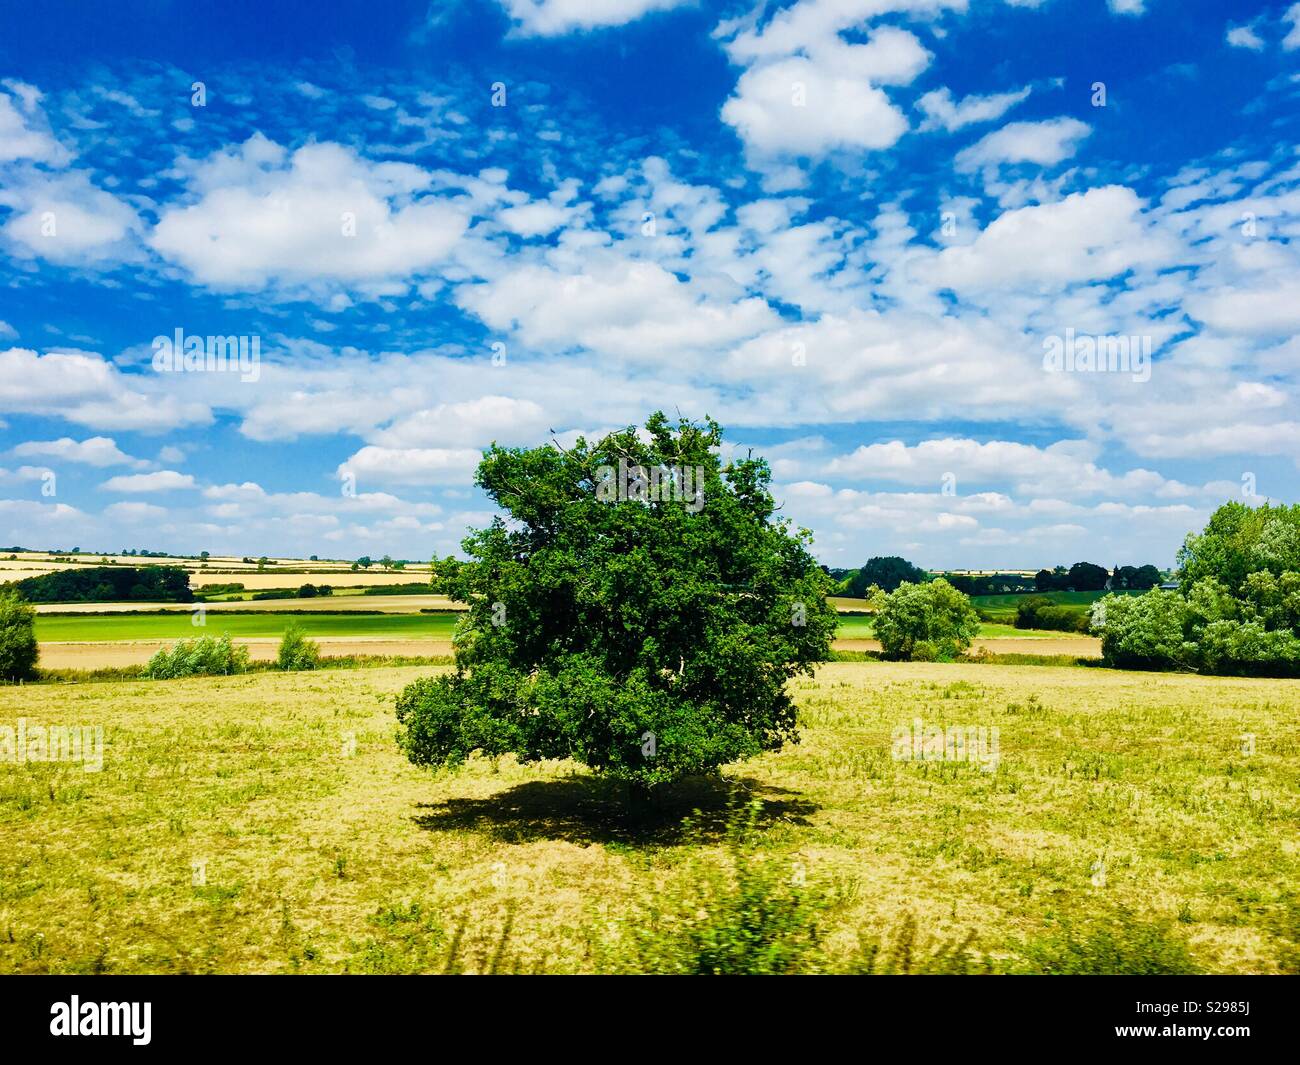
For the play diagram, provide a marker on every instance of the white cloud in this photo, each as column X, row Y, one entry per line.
column 263, row 213
column 66, row 219
column 1127, row 7
column 161, row 481
column 552, row 18
column 1040, row 143
column 94, row 451
column 425, row 465
column 807, row 105
column 18, row 137
column 84, row 388
column 1245, row 37
column 1089, row 235
column 1292, row 40
column 135, row 513
column 626, row 308
column 942, row 112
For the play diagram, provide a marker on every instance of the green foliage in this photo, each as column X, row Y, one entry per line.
column 1237, row 609
column 1039, row 612
column 296, row 651
column 18, row 650
column 107, row 584
column 925, row 622
column 886, row 572
column 1239, row 541
column 1125, row 946
column 1138, row 578
column 1144, row 631
column 752, row 916
column 205, row 656
column 647, row 638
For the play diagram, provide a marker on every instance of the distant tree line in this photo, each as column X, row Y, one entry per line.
column 107, row 584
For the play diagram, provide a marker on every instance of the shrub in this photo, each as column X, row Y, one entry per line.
column 205, row 656
column 649, row 635
column 296, row 651
column 1039, row 612
column 18, row 650
column 925, row 622
column 1144, row 631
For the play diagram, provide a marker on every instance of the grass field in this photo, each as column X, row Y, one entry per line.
column 125, row 626
column 268, row 823
column 1004, row 606
column 179, row 626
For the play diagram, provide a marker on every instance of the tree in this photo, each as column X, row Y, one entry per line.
column 1087, row 577
column 887, row 572
column 365, row 562
column 925, row 622
column 18, row 649
column 641, row 612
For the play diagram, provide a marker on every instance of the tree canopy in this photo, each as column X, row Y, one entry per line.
column 886, row 573
column 639, row 608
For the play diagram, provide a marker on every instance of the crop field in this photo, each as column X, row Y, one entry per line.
column 1113, row 821
column 239, row 624
column 178, row 625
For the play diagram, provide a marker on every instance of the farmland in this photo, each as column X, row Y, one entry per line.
column 268, row 822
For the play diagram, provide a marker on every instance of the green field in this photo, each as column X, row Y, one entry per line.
column 53, row 627
column 268, row 823
column 1005, row 605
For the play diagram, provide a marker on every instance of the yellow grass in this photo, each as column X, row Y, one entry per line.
column 322, row 850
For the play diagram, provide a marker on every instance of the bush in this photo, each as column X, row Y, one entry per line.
column 18, row 650
column 925, row 622
column 296, row 651
column 1144, row 631
column 1039, row 612
column 205, row 656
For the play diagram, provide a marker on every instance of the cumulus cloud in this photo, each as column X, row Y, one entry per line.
column 93, row 451
column 1085, row 236
column 85, row 388
column 319, row 214
column 807, row 91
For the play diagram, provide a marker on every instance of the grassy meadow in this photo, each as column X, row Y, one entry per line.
column 268, row 823
column 177, row 625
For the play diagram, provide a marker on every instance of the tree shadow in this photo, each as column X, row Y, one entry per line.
column 591, row 809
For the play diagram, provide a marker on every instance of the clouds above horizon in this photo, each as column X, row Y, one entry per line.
column 853, row 250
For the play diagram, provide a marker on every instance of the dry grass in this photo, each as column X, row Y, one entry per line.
column 318, row 859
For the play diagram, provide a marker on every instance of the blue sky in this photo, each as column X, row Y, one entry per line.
column 849, row 230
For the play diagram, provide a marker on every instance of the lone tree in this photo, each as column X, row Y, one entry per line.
column 640, row 611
